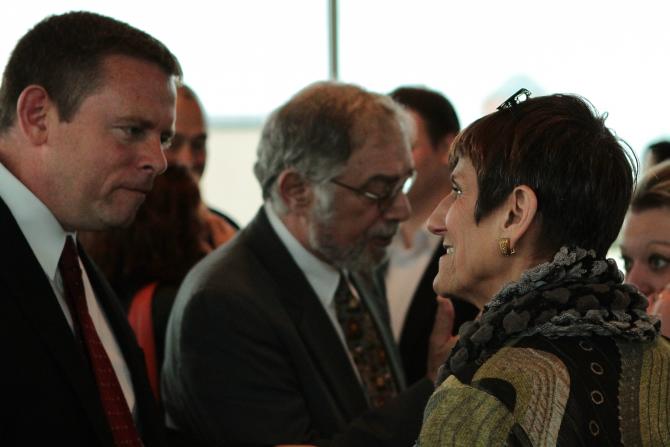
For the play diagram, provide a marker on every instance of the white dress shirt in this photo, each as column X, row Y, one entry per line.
column 323, row 277
column 46, row 238
column 406, row 267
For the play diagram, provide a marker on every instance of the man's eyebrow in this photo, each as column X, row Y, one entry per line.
column 385, row 178
column 382, row 178
column 140, row 122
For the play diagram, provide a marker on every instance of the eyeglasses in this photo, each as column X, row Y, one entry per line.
column 385, row 199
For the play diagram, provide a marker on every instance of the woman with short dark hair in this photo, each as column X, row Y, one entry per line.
column 563, row 353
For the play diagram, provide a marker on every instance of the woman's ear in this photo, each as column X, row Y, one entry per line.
column 32, row 108
column 520, row 211
column 295, row 191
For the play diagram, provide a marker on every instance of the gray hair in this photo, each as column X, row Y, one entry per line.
column 316, row 131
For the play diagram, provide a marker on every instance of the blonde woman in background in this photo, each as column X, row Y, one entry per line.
column 645, row 245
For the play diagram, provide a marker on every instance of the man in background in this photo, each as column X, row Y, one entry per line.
column 414, row 253
column 281, row 336
column 86, row 109
column 189, row 148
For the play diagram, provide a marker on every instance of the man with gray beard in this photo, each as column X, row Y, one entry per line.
column 281, row 336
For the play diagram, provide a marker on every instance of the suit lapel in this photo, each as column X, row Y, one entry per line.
column 30, row 289
column 374, row 299
column 308, row 315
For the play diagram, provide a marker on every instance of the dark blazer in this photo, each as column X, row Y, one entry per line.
column 419, row 321
column 49, row 394
column 252, row 357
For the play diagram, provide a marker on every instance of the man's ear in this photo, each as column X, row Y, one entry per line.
column 295, row 191
column 444, row 148
column 520, row 210
column 32, row 108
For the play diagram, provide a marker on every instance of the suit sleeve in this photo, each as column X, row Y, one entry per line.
column 233, row 381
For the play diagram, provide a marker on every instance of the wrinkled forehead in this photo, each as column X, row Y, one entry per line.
column 380, row 124
column 382, row 150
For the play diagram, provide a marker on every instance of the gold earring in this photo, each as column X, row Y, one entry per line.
column 505, row 247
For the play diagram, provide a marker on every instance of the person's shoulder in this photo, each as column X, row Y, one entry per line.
column 226, row 217
column 513, row 372
column 230, row 278
column 463, row 414
column 663, row 343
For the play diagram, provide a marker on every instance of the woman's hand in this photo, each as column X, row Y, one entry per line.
column 659, row 306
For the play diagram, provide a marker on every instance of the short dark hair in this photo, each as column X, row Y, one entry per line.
column 660, row 151
column 64, row 53
column 582, row 174
column 433, row 107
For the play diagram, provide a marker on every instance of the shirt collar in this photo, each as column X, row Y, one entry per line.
column 323, row 277
column 422, row 241
column 39, row 226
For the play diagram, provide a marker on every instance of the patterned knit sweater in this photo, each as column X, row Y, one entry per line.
column 566, row 356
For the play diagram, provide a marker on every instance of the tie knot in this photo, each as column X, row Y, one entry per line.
column 69, row 259
column 345, row 300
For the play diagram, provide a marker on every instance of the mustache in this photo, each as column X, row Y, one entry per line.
column 385, row 231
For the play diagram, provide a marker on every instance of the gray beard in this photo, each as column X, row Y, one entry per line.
column 354, row 257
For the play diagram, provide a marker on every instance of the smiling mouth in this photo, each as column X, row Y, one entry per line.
column 448, row 249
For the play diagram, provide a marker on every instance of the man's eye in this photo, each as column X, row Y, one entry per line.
column 379, row 190
column 627, row 263
column 175, row 141
column 658, row 262
column 166, row 141
column 134, row 131
column 456, row 190
column 198, row 144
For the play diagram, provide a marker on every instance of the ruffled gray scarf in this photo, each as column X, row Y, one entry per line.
column 574, row 295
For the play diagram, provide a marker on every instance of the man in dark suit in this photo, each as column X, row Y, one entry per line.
column 414, row 253
column 86, row 107
column 281, row 336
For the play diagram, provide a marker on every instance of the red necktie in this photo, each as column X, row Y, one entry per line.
column 113, row 401
column 365, row 345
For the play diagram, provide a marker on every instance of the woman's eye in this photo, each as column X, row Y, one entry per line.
column 456, row 190
column 657, row 262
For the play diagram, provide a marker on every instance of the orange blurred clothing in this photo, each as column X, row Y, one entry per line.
column 218, row 230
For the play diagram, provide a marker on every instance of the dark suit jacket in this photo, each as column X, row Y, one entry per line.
column 252, row 358
column 419, row 321
column 49, row 395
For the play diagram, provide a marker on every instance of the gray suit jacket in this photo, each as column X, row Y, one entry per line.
column 252, row 358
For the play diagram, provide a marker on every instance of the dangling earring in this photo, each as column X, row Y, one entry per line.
column 505, row 247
